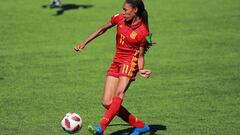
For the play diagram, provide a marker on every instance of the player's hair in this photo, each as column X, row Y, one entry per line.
column 142, row 12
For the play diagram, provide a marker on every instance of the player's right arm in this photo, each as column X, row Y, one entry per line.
column 97, row 33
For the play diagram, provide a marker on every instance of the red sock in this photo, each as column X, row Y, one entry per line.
column 128, row 117
column 111, row 112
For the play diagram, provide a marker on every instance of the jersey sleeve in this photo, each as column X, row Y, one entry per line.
column 116, row 18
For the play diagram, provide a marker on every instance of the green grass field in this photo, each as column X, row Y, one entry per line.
column 194, row 89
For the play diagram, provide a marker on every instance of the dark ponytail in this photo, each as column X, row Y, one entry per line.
column 145, row 18
column 142, row 12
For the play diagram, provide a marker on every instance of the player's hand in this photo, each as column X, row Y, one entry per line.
column 145, row 73
column 79, row 47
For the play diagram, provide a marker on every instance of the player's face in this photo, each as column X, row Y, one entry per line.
column 129, row 12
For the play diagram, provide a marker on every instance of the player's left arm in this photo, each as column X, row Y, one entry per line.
column 142, row 71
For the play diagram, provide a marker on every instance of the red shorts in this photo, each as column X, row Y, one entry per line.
column 123, row 69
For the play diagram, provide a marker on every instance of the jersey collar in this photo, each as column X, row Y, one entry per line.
column 134, row 26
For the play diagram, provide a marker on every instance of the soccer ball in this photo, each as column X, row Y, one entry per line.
column 71, row 122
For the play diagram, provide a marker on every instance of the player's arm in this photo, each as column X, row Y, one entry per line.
column 142, row 71
column 97, row 33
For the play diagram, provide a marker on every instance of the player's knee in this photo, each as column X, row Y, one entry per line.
column 106, row 103
column 120, row 94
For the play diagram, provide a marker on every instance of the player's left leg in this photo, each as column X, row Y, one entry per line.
column 138, row 131
column 130, row 70
column 128, row 117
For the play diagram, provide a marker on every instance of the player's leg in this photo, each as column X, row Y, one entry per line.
column 95, row 130
column 118, row 94
column 130, row 70
column 110, row 85
column 138, row 131
column 123, row 113
column 122, row 85
column 109, row 90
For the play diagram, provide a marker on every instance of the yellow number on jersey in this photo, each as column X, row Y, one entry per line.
column 122, row 39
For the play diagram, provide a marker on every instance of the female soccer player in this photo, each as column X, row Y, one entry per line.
column 131, row 44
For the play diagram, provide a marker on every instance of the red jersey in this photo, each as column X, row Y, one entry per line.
column 129, row 38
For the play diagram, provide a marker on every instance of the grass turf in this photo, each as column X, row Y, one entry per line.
column 194, row 89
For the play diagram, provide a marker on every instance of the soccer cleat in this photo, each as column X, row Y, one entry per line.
column 95, row 130
column 138, row 131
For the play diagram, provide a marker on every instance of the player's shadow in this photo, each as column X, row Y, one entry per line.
column 66, row 7
column 127, row 131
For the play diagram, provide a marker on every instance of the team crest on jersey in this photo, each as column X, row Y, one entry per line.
column 133, row 34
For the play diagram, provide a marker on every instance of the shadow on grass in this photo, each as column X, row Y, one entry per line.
column 127, row 131
column 1, row 78
column 67, row 7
